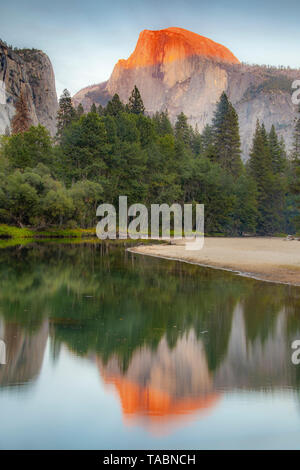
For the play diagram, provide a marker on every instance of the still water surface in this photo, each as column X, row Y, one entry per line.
column 107, row 349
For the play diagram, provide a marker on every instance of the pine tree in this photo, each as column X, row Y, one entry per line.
column 93, row 109
column 162, row 123
column 136, row 105
column 277, row 149
column 269, row 191
column 21, row 121
column 279, row 166
column 66, row 112
column 79, row 111
column 114, row 107
column 208, row 148
column 196, row 141
column 226, row 136
column 100, row 110
column 182, row 129
column 220, row 113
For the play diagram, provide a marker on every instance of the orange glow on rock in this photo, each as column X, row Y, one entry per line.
column 171, row 44
column 159, row 407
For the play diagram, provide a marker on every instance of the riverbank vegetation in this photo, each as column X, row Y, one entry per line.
column 56, row 184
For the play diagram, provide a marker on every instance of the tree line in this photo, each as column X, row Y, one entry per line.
column 120, row 150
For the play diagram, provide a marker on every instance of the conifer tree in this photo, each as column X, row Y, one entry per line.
column 182, row 129
column 93, row 109
column 196, row 141
column 100, row 110
column 79, row 111
column 208, row 148
column 162, row 123
column 114, row 107
column 277, row 150
column 261, row 169
column 136, row 105
column 66, row 112
column 21, row 121
column 226, row 136
column 279, row 166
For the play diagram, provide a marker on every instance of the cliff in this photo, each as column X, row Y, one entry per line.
column 32, row 71
column 182, row 71
column 172, row 44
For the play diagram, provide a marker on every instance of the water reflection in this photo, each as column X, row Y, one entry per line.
column 168, row 338
column 24, row 353
column 162, row 385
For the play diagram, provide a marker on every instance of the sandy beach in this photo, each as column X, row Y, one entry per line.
column 268, row 259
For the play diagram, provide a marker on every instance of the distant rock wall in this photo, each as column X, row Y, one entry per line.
column 30, row 70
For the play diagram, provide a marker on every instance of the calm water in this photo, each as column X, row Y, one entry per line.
column 106, row 349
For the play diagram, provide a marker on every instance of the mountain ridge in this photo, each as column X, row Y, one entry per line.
column 193, row 83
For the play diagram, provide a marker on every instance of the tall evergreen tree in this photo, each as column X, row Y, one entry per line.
column 226, row 136
column 93, row 109
column 21, row 121
column 162, row 123
column 100, row 110
column 261, row 170
column 115, row 106
column 79, row 111
column 182, row 129
column 279, row 168
column 136, row 105
column 208, row 148
column 277, row 150
column 66, row 112
column 196, row 142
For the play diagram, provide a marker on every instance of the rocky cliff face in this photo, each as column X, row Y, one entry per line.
column 182, row 71
column 30, row 70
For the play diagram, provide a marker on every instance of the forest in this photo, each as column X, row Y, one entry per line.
column 120, row 150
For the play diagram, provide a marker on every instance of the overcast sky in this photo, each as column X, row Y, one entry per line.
column 84, row 39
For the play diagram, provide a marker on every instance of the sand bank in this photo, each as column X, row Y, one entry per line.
column 268, row 259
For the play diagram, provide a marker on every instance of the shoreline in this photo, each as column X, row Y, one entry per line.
column 285, row 271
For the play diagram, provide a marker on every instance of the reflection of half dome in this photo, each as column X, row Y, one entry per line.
column 165, row 385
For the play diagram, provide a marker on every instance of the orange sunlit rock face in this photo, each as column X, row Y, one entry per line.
column 171, row 44
column 157, row 404
column 165, row 387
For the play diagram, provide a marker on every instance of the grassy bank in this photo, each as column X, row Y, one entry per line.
column 10, row 232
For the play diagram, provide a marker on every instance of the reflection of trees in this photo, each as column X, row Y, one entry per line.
column 116, row 302
column 261, row 308
column 101, row 299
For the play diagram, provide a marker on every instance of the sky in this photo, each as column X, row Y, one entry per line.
column 84, row 39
